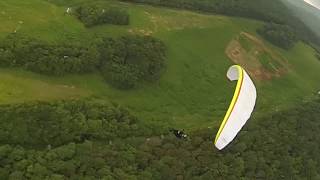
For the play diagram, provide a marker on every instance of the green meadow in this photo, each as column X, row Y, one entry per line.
column 192, row 93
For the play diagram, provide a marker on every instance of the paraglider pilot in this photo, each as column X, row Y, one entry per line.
column 179, row 134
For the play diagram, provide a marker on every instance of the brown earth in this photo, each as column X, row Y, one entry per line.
column 251, row 57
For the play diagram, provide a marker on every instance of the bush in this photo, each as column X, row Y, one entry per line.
column 114, row 16
column 6, row 57
column 62, row 59
column 121, row 76
column 92, row 15
column 279, row 35
column 131, row 59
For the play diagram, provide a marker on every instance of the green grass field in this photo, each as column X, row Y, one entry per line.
column 192, row 93
column 19, row 86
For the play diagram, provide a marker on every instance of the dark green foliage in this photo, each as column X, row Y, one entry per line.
column 268, row 11
column 279, row 35
column 115, row 16
column 90, row 140
column 41, row 124
column 131, row 59
column 92, row 15
column 317, row 56
column 6, row 56
column 124, row 62
column 42, row 57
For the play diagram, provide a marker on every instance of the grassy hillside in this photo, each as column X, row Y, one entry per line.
column 18, row 86
column 192, row 93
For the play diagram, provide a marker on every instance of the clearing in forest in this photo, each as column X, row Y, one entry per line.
column 261, row 62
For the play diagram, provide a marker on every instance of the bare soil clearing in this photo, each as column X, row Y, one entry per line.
column 260, row 61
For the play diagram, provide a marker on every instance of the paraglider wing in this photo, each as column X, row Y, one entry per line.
column 240, row 109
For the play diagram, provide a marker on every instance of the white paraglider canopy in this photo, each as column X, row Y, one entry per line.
column 240, row 108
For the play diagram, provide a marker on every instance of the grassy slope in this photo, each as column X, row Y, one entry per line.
column 18, row 86
column 192, row 93
column 40, row 19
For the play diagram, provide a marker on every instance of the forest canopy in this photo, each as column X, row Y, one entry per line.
column 90, row 139
column 279, row 35
column 124, row 62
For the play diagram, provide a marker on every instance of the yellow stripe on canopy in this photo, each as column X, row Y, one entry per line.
column 240, row 108
column 233, row 102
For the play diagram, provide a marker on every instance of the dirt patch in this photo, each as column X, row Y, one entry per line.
column 145, row 32
column 260, row 61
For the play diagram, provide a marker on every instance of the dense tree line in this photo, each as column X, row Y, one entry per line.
column 132, row 59
column 39, row 124
column 52, row 59
column 269, row 11
column 71, row 139
column 124, row 62
column 280, row 35
column 92, row 14
column 88, row 139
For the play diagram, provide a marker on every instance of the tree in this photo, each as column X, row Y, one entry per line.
column 131, row 59
column 280, row 35
column 281, row 146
